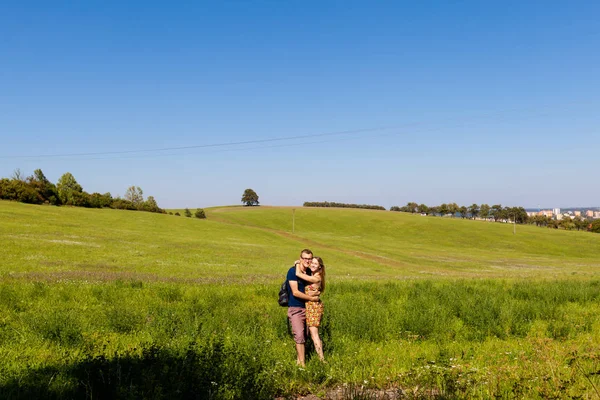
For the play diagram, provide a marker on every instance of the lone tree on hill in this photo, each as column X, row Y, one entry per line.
column 250, row 197
column 187, row 212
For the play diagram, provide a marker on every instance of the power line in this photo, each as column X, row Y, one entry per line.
column 200, row 145
column 119, row 154
column 330, row 140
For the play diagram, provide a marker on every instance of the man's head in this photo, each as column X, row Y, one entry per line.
column 306, row 257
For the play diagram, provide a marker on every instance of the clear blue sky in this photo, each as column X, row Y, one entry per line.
column 464, row 101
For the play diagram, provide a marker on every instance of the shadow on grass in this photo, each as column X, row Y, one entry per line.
column 208, row 372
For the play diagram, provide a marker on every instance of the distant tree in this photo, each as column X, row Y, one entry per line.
column 484, row 211
column 200, row 214
column 150, row 205
column 187, row 212
column 504, row 214
column 595, row 226
column 95, row 200
column 567, row 224
column 250, row 198
column 12, row 189
column 587, row 223
column 434, row 210
column 69, row 190
column 443, row 209
column 177, row 213
column 170, row 212
column 496, row 212
column 122, row 204
column 81, row 199
column 463, row 211
column 453, row 209
column 107, row 199
column 473, row 210
column 580, row 223
column 520, row 214
column 45, row 189
column 423, row 209
column 18, row 175
column 135, row 195
column 394, row 208
column 411, row 207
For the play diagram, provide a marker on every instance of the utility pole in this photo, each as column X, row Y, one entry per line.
column 293, row 220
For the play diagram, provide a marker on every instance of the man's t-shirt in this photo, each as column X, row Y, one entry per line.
column 291, row 276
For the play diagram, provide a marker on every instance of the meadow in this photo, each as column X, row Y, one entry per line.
column 98, row 303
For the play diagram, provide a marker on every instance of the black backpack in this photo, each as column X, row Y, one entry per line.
column 284, row 295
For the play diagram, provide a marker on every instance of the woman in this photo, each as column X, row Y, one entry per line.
column 314, row 309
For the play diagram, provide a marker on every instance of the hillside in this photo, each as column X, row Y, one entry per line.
column 237, row 243
column 137, row 305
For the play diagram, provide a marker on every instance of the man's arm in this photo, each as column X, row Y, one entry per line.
column 307, row 278
column 297, row 293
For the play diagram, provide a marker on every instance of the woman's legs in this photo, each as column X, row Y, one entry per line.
column 314, row 334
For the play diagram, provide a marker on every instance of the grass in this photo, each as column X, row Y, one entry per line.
column 110, row 303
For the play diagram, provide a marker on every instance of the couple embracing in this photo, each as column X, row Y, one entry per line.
column 306, row 282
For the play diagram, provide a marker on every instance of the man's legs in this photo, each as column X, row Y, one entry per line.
column 297, row 316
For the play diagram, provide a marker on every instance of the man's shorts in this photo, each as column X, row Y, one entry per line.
column 297, row 316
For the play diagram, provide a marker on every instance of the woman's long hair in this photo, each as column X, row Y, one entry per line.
column 322, row 272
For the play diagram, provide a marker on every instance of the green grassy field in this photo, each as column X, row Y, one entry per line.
column 98, row 303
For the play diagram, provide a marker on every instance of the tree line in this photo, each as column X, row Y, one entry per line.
column 341, row 205
column 499, row 213
column 37, row 189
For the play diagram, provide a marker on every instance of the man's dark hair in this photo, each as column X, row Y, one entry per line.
column 306, row 251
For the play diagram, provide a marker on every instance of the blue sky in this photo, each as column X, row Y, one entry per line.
column 447, row 101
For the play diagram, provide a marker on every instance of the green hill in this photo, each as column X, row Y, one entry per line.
column 127, row 304
column 236, row 242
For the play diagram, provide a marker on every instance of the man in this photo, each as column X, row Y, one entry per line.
column 296, row 303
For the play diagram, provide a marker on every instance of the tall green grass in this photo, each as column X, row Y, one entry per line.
column 162, row 340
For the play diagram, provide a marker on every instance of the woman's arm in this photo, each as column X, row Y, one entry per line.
column 298, row 294
column 307, row 278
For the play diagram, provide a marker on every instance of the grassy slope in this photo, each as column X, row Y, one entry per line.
column 484, row 338
column 238, row 243
column 403, row 244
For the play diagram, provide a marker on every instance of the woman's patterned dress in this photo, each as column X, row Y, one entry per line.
column 314, row 309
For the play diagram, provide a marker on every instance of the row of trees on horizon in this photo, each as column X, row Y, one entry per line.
column 37, row 189
column 496, row 212
column 341, row 205
column 499, row 213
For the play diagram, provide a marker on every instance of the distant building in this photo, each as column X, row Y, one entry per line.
column 589, row 213
column 578, row 213
column 546, row 213
column 556, row 211
column 559, row 217
column 532, row 213
column 596, row 214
